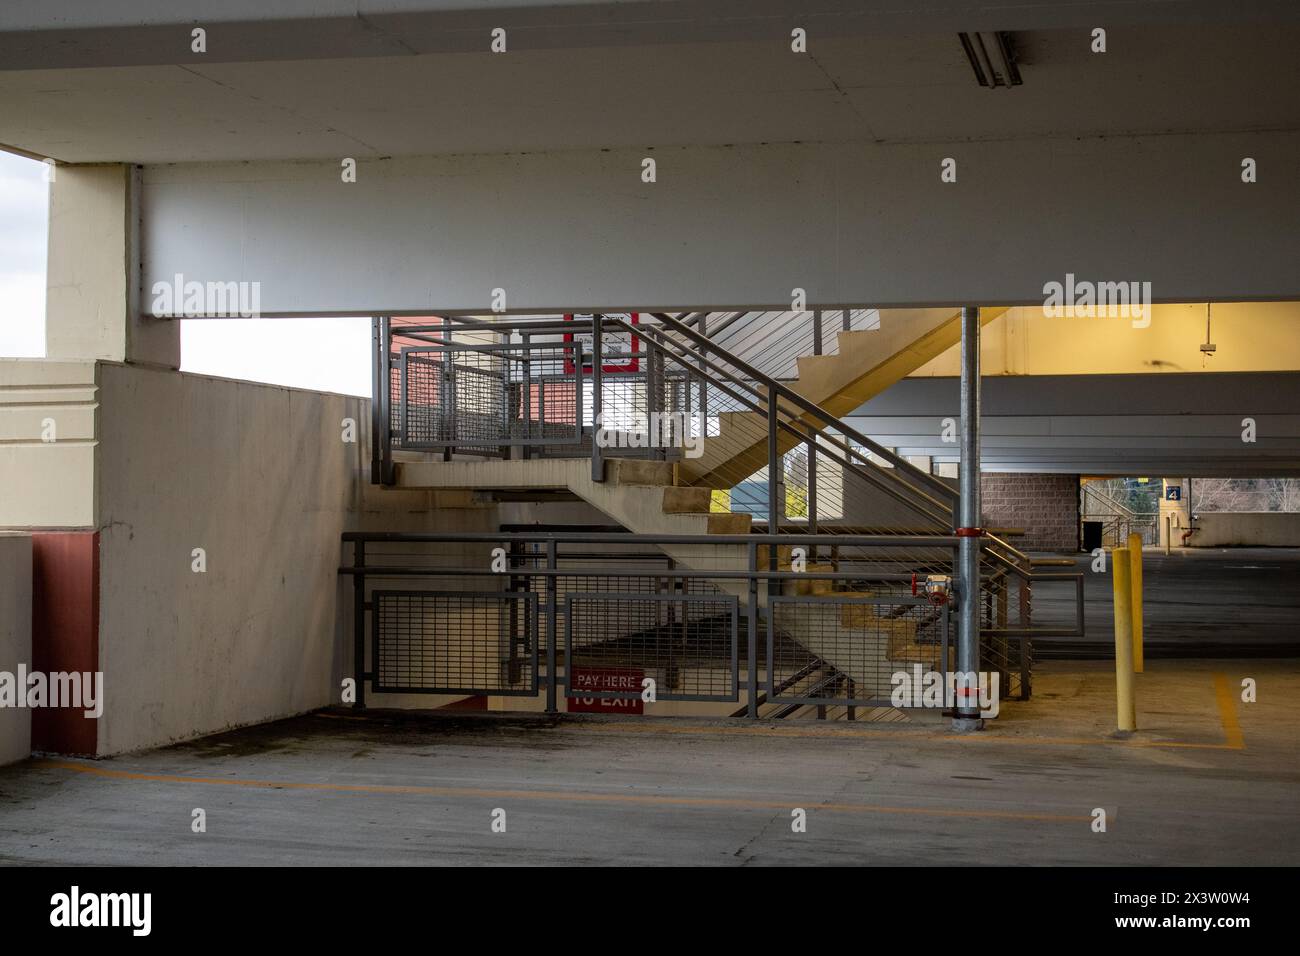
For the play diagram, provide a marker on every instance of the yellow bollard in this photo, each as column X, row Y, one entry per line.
column 1126, row 707
column 1135, row 576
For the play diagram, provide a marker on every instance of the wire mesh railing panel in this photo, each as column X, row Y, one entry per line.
column 846, row 650
column 482, row 396
column 455, row 642
column 687, row 644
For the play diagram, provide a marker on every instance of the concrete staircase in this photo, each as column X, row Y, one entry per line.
column 661, row 498
column 867, row 362
column 638, row 494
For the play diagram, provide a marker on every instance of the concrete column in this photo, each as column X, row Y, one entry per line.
column 92, row 305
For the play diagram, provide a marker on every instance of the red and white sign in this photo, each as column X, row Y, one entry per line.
column 625, row 344
column 622, row 680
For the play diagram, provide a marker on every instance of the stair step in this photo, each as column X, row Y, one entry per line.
column 813, row 586
column 687, row 500
column 638, row 471
column 855, row 338
column 730, row 523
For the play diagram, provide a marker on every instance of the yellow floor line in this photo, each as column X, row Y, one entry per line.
column 560, row 796
column 1228, row 712
column 991, row 738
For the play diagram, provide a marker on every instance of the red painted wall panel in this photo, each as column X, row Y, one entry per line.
column 65, row 631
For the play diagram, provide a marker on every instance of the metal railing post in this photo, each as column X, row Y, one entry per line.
column 751, row 627
column 774, row 506
column 526, row 451
column 653, row 400
column 597, row 399
column 379, row 382
column 817, row 332
column 812, row 492
column 447, row 403
column 386, row 408
column 703, row 327
column 552, row 611
column 359, row 623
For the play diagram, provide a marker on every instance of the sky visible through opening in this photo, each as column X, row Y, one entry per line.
column 327, row 354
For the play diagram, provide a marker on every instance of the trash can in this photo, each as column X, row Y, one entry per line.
column 1092, row 535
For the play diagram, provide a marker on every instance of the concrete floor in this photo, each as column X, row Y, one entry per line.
column 1199, row 603
column 1207, row 780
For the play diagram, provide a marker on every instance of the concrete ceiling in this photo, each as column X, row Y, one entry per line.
column 319, row 80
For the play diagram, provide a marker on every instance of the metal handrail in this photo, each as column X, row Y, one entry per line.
column 767, row 391
column 811, row 407
column 815, row 438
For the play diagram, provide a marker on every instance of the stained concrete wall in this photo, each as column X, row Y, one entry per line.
column 1224, row 529
column 1045, row 506
column 260, row 478
column 15, row 638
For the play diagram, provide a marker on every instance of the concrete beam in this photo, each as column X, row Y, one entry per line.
column 66, row 33
column 726, row 228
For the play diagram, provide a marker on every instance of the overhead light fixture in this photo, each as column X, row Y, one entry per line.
column 1207, row 346
column 992, row 56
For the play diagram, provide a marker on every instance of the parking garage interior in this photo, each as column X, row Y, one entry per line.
column 700, row 410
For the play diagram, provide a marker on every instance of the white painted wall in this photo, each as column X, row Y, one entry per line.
column 15, row 638
column 736, row 226
column 47, row 444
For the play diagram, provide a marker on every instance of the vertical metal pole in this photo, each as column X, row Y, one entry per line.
column 386, row 413
column 774, row 505
column 654, row 395
column 378, row 382
column 812, row 496
column 817, row 332
column 848, row 320
column 359, row 623
column 527, row 450
column 552, row 610
column 966, row 714
column 597, row 400
column 703, row 328
column 449, row 402
column 751, row 627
